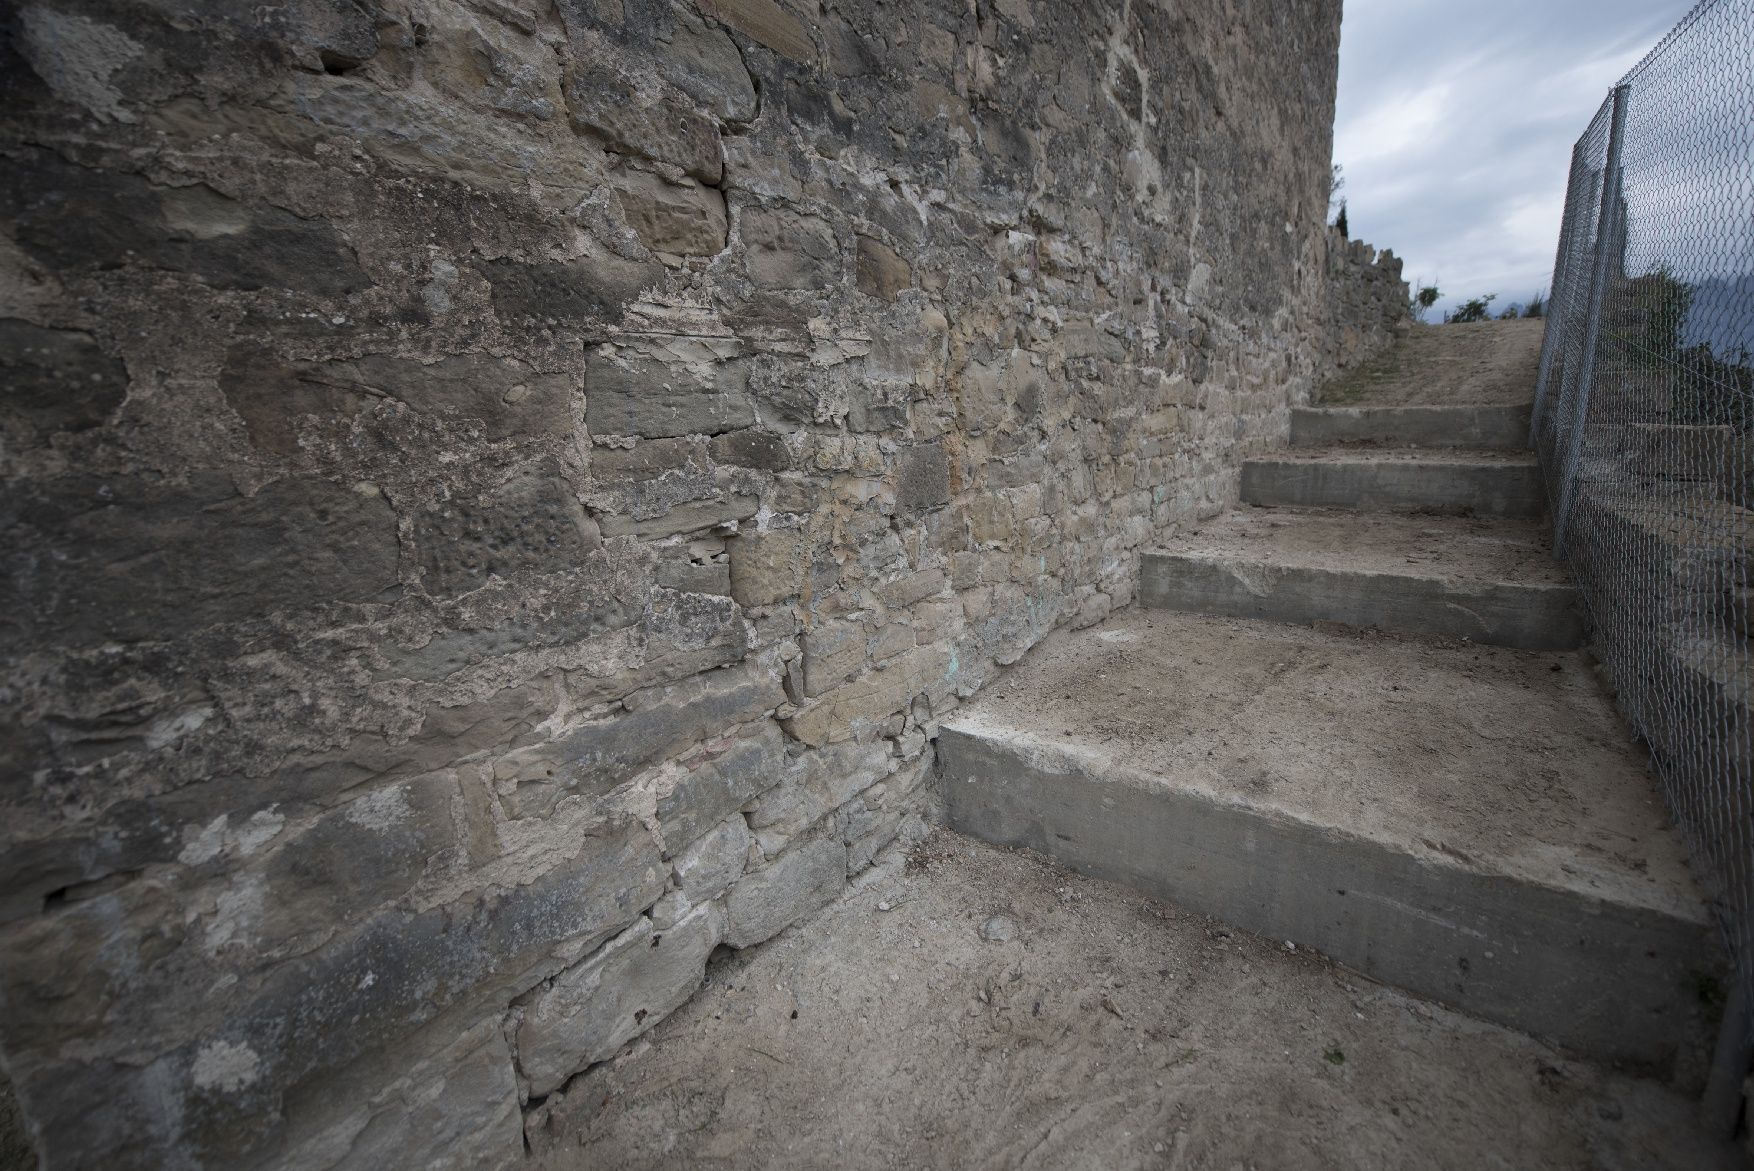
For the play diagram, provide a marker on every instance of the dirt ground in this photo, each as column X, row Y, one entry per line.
column 1446, row 365
column 969, row 1007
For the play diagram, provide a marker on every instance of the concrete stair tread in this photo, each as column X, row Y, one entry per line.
column 1384, row 453
column 1497, row 426
column 1500, row 550
column 1504, row 762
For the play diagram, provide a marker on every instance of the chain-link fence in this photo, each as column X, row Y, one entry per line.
column 1642, row 423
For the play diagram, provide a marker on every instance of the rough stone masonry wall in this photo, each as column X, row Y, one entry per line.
column 498, row 495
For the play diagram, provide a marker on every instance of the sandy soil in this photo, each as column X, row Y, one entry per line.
column 1446, row 365
column 976, row 1008
column 1510, row 762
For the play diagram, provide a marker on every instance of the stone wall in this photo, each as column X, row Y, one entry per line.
column 1369, row 304
column 499, row 495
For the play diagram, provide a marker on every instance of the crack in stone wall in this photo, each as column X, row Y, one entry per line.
column 499, row 495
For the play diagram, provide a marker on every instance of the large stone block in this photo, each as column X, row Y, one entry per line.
column 767, row 568
column 591, row 291
column 642, row 120
column 767, row 23
column 135, row 558
column 531, row 523
column 706, row 870
column 631, row 394
column 661, row 722
column 784, row 250
column 57, row 379
column 685, row 220
column 589, row 1011
column 503, row 397
column 713, row 789
column 767, row 902
column 870, row 699
column 74, row 218
column 703, row 62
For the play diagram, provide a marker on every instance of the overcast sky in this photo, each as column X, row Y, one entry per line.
column 1456, row 122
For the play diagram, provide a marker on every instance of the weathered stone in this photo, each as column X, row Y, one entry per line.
column 752, row 448
column 631, row 395
column 72, row 217
column 57, row 379
column 712, row 790
column 880, row 271
column 767, row 23
column 922, row 477
column 869, row 699
column 505, row 398
column 597, row 756
column 688, row 221
column 347, row 866
column 138, row 558
column 591, row 1010
column 706, row 870
column 815, row 785
column 767, row 568
column 833, row 653
column 788, row 251
column 799, row 881
column 458, row 1108
column 703, row 63
column 594, row 290
column 531, row 523
column 642, row 120
column 696, row 517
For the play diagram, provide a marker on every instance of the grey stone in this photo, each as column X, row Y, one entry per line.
column 706, row 870
column 142, row 558
column 592, row 291
column 504, row 397
column 784, row 250
column 597, row 756
column 799, row 881
column 703, row 63
column 816, row 784
column 57, row 379
column 922, row 477
column 712, row 790
column 685, row 220
column 592, row 1009
column 630, row 395
column 531, row 523
column 752, row 448
column 72, row 217
column 638, row 120
column 766, row 23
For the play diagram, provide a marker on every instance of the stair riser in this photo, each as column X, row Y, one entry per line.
column 1615, row 982
column 1474, row 489
column 1504, row 428
column 1527, row 617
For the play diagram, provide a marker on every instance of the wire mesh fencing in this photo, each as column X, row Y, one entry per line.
column 1642, row 424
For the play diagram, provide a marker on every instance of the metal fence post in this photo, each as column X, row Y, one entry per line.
column 1605, row 236
column 1555, row 325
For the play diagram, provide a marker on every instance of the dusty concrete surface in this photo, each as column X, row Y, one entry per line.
column 1513, row 761
column 1500, row 549
column 1465, row 484
column 981, row 1009
column 1486, row 362
column 1491, row 426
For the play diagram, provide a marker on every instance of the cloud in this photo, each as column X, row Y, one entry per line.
column 1456, row 122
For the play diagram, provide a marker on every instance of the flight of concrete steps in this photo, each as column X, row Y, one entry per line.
column 1353, row 714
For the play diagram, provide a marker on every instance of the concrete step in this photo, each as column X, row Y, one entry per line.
column 1472, row 824
column 1478, row 484
column 1505, row 427
column 1490, row 582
